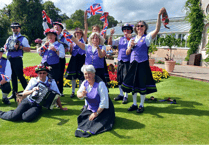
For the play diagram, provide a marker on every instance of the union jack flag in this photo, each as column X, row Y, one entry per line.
column 3, row 77
column 44, row 15
column 95, row 9
column 104, row 19
column 68, row 37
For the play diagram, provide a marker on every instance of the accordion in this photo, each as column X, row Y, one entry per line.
column 44, row 97
column 11, row 43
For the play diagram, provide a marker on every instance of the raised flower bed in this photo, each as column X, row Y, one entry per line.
column 157, row 73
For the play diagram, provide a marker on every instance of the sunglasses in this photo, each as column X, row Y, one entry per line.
column 42, row 73
column 77, row 32
column 15, row 27
column 140, row 26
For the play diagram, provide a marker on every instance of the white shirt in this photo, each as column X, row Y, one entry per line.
column 103, row 93
column 8, row 70
column 94, row 48
column 34, row 81
column 148, row 40
column 61, row 49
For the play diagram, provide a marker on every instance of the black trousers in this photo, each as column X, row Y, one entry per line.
column 26, row 111
column 6, row 88
column 17, row 71
column 62, row 69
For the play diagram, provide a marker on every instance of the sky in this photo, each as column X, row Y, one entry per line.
column 122, row 10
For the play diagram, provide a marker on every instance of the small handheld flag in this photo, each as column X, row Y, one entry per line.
column 95, row 9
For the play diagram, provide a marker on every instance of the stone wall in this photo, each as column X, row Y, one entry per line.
column 179, row 54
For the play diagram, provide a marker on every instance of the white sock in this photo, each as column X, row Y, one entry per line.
column 135, row 99
column 142, row 100
column 86, row 103
column 126, row 95
column 121, row 91
column 80, row 82
column 4, row 95
column 73, row 85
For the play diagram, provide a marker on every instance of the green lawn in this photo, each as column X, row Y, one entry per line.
column 186, row 122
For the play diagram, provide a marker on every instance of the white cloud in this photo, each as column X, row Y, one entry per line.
column 125, row 10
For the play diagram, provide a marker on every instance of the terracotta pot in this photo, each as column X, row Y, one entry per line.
column 151, row 62
column 169, row 66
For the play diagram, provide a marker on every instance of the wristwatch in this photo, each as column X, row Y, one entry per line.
column 97, row 113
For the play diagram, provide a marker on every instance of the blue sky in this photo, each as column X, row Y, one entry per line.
column 125, row 10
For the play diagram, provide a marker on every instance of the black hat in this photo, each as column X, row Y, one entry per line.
column 42, row 67
column 58, row 23
column 15, row 25
column 2, row 49
column 126, row 25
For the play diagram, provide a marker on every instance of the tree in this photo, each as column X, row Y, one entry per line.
column 52, row 11
column 196, row 18
column 77, row 24
column 28, row 14
column 69, row 23
column 64, row 17
column 4, row 27
column 170, row 41
column 78, row 16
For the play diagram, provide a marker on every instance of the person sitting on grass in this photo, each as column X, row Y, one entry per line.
column 5, row 77
column 28, row 109
column 99, row 115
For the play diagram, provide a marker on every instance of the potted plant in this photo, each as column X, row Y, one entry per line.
column 151, row 50
column 170, row 41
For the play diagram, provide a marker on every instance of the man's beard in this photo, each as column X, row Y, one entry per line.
column 16, row 33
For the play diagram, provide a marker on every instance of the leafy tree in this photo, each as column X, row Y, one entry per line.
column 64, row 17
column 4, row 27
column 77, row 24
column 69, row 23
column 207, row 46
column 28, row 14
column 78, row 16
column 170, row 41
column 52, row 11
column 196, row 18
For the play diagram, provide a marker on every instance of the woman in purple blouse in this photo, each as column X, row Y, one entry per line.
column 139, row 77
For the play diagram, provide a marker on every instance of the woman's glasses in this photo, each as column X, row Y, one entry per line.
column 140, row 26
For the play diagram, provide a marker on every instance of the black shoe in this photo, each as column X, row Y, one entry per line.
column 13, row 96
column 62, row 95
column 132, row 108
column 119, row 97
column 72, row 95
column 125, row 100
column 6, row 101
column 140, row 109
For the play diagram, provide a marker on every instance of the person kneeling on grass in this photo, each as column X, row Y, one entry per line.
column 99, row 115
column 5, row 76
column 28, row 109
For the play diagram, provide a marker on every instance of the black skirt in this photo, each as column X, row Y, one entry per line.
column 139, row 79
column 107, row 78
column 101, row 73
column 54, row 72
column 122, row 70
column 74, row 67
column 103, row 122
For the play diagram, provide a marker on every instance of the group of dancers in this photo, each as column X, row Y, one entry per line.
column 88, row 65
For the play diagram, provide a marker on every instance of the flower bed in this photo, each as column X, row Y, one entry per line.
column 157, row 73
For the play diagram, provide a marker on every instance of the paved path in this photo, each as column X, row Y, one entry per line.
column 187, row 71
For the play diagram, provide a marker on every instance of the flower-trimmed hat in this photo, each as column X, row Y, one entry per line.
column 127, row 25
column 58, row 23
column 42, row 67
column 2, row 49
column 48, row 30
column 15, row 24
